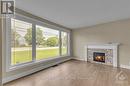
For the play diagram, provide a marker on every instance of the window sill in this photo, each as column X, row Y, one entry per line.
column 23, row 65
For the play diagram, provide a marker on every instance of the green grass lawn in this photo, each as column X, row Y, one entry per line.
column 26, row 56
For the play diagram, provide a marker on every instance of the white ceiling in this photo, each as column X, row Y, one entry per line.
column 77, row 13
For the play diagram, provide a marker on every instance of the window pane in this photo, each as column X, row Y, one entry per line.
column 64, row 41
column 47, row 41
column 21, row 42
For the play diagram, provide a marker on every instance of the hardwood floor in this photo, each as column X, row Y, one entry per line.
column 76, row 73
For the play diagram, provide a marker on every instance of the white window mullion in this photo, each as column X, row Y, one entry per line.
column 33, row 42
column 60, row 43
column 68, row 44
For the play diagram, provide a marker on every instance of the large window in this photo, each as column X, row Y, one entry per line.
column 32, row 41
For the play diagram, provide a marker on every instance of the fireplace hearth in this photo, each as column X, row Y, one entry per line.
column 99, row 57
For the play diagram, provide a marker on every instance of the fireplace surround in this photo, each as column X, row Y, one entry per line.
column 102, row 53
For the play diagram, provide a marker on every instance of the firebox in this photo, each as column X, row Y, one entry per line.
column 99, row 57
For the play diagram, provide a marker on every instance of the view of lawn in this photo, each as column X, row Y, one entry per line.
column 26, row 55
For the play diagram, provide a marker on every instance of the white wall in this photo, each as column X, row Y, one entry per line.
column 118, row 31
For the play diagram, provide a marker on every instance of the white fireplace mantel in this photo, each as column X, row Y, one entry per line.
column 113, row 46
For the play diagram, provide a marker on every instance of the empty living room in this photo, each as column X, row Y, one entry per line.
column 65, row 43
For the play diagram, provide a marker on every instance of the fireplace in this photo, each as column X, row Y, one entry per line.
column 99, row 57
column 109, row 56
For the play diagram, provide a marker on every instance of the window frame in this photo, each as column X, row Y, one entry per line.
column 28, row 21
column 34, row 22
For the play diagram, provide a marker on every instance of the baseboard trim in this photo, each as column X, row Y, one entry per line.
column 8, row 79
column 124, row 66
column 81, row 59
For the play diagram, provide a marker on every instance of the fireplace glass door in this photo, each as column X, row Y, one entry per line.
column 99, row 57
